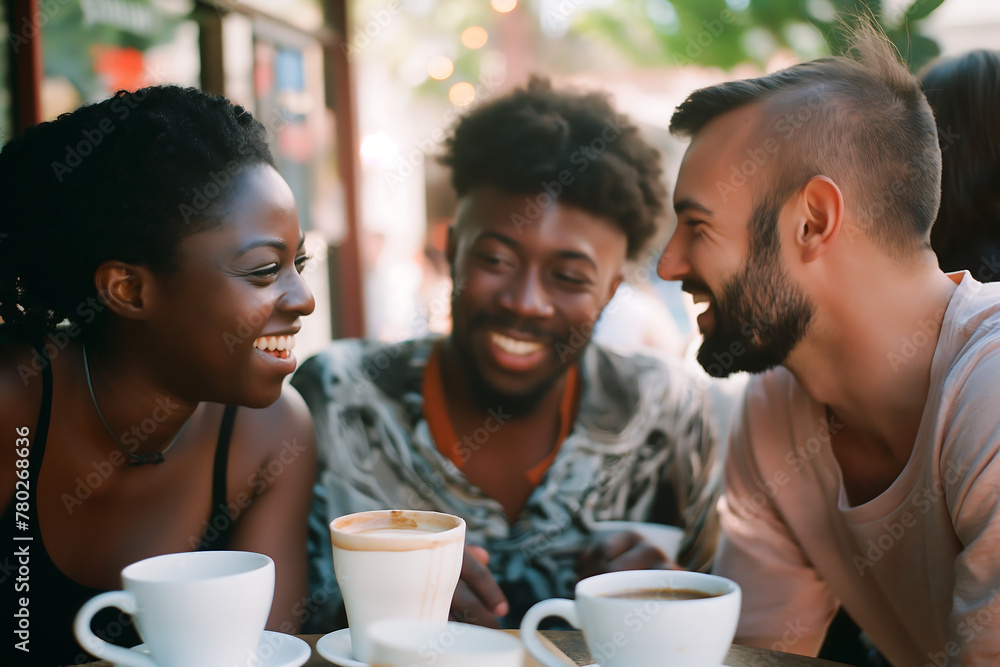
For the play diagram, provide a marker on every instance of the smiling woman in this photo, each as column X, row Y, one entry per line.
column 170, row 293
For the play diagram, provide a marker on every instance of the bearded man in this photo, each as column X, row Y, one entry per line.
column 863, row 471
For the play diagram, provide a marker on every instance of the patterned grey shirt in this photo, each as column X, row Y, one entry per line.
column 641, row 448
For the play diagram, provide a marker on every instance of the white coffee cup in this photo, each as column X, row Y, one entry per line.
column 395, row 564
column 622, row 632
column 197, row 609
column 413, row 643
column 665, row 538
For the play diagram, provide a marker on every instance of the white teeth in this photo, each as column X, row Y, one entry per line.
column 702, row 302
column 509, row 345
column 274, row 343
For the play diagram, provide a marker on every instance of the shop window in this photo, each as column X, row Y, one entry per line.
column 6, row 112
column 93, row 48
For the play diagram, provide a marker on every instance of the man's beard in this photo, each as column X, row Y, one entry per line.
column 760, row 314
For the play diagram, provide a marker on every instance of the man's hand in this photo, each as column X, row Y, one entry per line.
column 478, row 598
column 623, row 550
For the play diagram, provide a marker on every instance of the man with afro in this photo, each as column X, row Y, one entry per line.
column 516, row 421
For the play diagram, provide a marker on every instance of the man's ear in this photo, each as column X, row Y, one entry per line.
column 126, row 289
column 615, row 283
column 821, row 217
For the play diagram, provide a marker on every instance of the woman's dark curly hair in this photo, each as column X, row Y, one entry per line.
column 524, row 142
column 125, row 179
column 964, row 92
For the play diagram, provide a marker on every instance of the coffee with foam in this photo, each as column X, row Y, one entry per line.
column 395, row 564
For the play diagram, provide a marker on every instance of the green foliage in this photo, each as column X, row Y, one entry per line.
column 609, row 35
column 69, row 38
column 720, row 33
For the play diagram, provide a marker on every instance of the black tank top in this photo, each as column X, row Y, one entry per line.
column 53, row 598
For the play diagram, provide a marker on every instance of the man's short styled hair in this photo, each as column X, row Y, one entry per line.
column 862, row 121
column 574, row 147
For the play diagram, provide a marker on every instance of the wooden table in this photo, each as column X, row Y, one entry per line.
column 575, row 651
column 573, row 647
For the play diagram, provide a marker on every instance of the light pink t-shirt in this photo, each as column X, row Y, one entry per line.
column 918, row 567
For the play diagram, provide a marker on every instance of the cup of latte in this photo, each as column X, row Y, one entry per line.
column 645, row 618
column 400, row 564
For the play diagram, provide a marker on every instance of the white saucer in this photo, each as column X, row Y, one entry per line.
column 276, row 649
column 336, row 647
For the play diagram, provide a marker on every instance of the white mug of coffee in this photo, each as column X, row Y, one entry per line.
column 665, row 538
column 645, row 618
column 400, row 642
column 395, row 564
column 198, row 609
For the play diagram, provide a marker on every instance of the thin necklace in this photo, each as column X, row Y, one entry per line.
column 134, row 459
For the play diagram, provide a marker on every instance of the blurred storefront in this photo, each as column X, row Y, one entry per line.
column 284, row 60
column 6, row 112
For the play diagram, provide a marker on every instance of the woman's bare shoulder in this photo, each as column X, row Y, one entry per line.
column 20, row 384
column 20, row 400
column 282, row 431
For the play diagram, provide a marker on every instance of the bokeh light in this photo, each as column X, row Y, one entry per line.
column 440, row 68
column 462, row 94
column 475, row 37
column 504, row 6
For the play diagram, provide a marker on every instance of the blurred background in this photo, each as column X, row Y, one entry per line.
column 358, row 97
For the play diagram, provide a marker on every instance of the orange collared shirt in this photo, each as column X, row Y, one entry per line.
column 436, row 414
